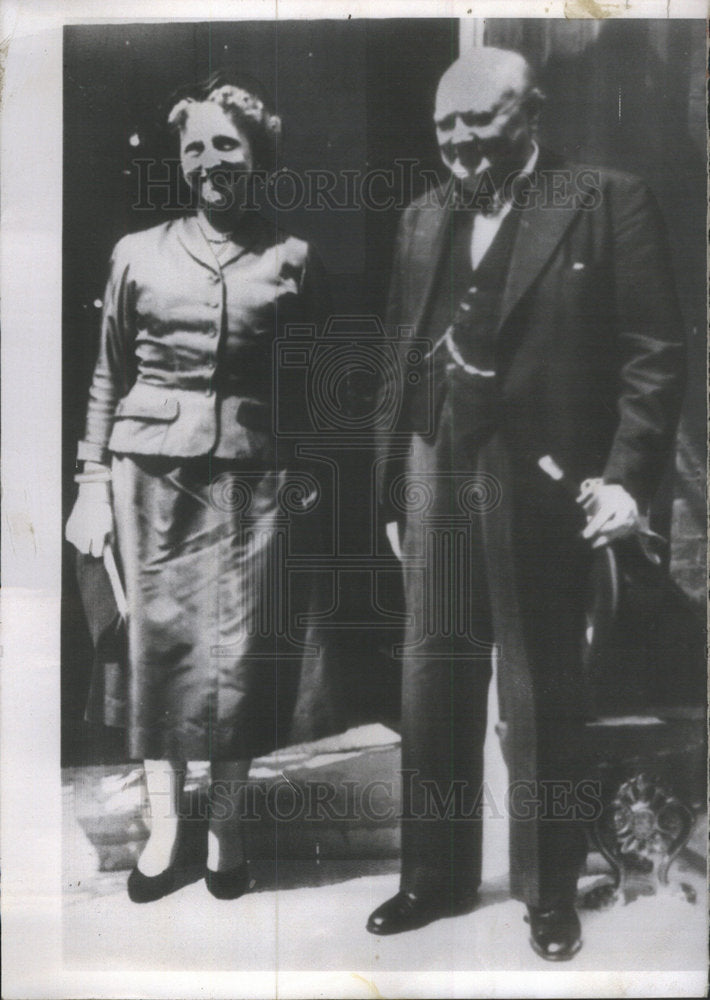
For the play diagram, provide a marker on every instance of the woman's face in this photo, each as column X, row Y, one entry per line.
column 214, row 154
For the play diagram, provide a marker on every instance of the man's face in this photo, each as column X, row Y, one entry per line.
column 482, row 125
column 214, row 154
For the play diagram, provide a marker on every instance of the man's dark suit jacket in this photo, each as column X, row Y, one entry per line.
column 589, row 344
column 590, row 369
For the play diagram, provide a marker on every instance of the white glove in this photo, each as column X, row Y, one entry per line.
column 90, row 524
column 611, row 512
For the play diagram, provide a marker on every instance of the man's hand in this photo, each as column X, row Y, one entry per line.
column 392, row 530
column 611, row 512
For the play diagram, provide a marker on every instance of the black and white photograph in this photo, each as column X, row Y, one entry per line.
column 354, row 500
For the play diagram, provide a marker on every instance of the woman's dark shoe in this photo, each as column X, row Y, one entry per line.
column 407, row 911
column 230, row 884
column 556, row 934
column 147, row 888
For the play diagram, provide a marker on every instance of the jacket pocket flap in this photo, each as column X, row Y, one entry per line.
column 142, row 409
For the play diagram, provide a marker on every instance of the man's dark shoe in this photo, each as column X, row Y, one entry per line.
column 406, row 911
column 556, row 934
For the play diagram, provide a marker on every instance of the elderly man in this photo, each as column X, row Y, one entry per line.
column 544, row 289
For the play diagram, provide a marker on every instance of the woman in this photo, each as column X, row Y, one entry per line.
column 181, row 464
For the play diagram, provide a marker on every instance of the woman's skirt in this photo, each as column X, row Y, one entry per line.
column 222, row 663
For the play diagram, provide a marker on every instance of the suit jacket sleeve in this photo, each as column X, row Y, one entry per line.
column 650, row 343
column 114, row 372
column 392, row 439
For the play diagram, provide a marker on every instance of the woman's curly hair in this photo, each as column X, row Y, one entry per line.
column 246, row 103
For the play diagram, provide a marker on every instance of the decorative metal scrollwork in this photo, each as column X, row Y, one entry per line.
column 640, row 832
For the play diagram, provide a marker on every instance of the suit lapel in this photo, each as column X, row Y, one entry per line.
column 539, row 232
column 540, row 229
column 427, row 253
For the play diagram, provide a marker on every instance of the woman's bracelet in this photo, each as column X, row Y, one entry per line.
column 93, row 477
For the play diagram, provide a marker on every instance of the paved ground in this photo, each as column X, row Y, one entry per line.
column 311, row 915
column 283, row 925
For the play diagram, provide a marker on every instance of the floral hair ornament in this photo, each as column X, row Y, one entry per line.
column 235, row 99
column 249, row 105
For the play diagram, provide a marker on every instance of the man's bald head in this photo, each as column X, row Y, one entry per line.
column 483, row 78
column 486, row 112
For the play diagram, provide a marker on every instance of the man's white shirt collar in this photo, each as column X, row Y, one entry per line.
column 485, row 227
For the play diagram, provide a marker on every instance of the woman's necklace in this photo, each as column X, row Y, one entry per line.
column 220, row 247
column 219, row 243
column 218, row 239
